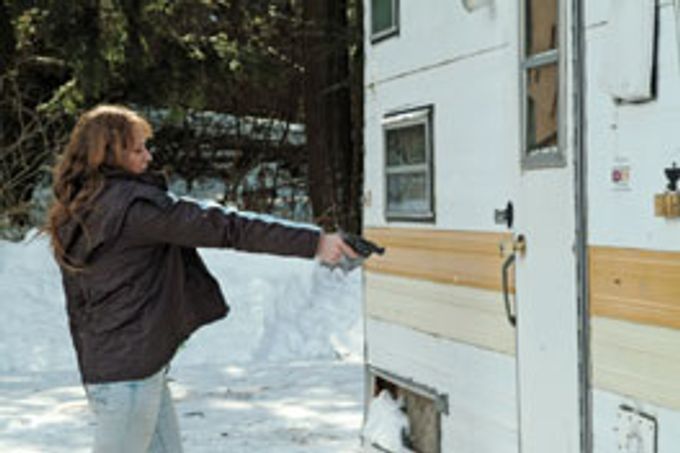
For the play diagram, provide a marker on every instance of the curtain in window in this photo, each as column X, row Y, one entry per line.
column 628, row 64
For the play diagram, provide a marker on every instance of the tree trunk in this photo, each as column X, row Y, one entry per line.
column 356, row 179
column 328, row 116
column 7, row 39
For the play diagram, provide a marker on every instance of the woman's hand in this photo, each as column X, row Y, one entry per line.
column 332, row 248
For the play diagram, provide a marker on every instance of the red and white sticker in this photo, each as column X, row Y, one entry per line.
column 620, row 177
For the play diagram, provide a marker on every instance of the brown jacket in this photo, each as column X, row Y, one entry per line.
column 145, row 289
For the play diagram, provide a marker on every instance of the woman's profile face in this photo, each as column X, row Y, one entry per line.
column 138, row 157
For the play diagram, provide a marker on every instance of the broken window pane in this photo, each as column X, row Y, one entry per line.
column 407, row 193
column 406, row 145
column 541, row 26
column 542, row 103
column 383, row 17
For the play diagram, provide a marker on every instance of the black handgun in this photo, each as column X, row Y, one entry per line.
column 362, row 246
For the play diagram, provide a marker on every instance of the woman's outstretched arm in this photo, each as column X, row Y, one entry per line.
column 162, row 219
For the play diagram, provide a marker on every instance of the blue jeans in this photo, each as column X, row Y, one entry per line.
column 134, row 416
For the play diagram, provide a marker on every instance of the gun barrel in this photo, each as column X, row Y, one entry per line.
column 362, row 246
column 376, row 248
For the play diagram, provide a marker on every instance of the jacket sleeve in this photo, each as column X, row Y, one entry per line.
column 163, row 219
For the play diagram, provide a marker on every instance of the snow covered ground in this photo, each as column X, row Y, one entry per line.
column 282, row 373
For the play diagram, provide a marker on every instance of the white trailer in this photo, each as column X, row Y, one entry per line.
column 566, row 113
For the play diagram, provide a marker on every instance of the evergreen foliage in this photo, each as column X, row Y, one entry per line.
column 248, row 60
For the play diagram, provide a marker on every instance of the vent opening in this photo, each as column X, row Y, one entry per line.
column 421, row 406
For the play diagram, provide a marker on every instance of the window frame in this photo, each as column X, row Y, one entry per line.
column 551, row 156
column 399, row 120
column 393, row 30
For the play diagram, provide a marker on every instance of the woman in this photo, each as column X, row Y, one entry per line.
column 135, row 286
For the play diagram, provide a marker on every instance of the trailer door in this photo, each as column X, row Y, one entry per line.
column 545, row 235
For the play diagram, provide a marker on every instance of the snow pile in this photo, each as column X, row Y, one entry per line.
column 282, row 309
column 386, row 424
column 34, row 336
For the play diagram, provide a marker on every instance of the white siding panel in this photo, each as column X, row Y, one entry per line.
column 435, row 31
column 480, row 385
column 476, row 155
column 645, row 135
column 605, row 422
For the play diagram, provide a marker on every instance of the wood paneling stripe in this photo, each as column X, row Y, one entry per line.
column 469, row 315
column 443, row 256
column 641, row 286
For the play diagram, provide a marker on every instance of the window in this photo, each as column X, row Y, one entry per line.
column 541, row 79
column 384, row 19
column 408, row 165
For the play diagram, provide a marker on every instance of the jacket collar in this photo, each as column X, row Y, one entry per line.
column 155, row 178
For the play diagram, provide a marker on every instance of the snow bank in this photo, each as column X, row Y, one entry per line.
column 282, row 309
column 34, row 334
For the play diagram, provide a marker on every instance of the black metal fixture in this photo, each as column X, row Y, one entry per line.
column 505, row 216
column 673, row 174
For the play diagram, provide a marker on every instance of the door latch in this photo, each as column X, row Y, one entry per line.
column 518, row 245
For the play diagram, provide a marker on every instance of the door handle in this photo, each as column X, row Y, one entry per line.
column 509, row 261
column 518, row 246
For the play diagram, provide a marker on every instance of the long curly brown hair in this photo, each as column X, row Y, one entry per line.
column 101, row 138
